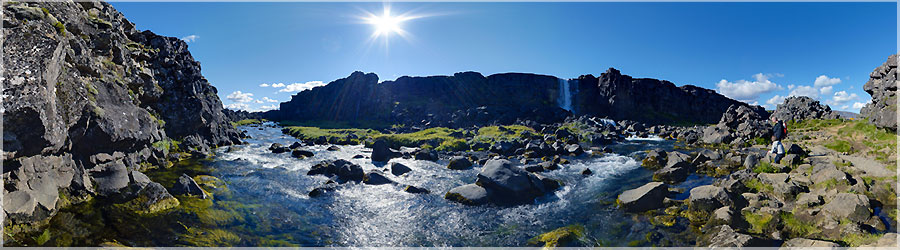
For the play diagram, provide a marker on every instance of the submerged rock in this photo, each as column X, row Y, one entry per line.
column 501, row 183
column 399, row 169
column 415, row 190
column 152, row 198
column 376, row 178
column 187, row 186
column 568, row 236
column 342, row 169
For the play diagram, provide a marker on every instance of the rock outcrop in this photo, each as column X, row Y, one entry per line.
column 469, row 98
column 739, row 124
column 882, row 86
column 88, row 98
column 798, row 108
column 501, row 183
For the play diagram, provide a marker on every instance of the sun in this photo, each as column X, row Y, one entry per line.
column 385, row 25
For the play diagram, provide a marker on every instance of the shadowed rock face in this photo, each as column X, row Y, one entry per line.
column 882, row 86
column 798, row 108
column 86, row 95
column 468, row 98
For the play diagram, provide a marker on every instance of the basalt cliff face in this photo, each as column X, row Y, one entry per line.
column 89, row 101
column 882, row 85
column 469, row 98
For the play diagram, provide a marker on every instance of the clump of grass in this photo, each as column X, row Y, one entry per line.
column 453, row 145
column 840, row 146
column 491, row 134
column 431, row 136
column 859, row 239
column 246, row 122
column 759, row 222
column 167, row 145
column 765, row 167
column 310, row 133
column 798, row 228
column 758, row 186
column 559, row 237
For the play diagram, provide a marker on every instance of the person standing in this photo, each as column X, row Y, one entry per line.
column 779, row 131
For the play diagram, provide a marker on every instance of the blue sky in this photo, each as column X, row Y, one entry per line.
column 756, row 52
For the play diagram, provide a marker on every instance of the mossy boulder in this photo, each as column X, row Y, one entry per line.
column 152, row 199
column 567, row 236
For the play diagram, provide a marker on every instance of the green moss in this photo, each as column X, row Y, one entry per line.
column 491, row 134
column 246, row 122
column 757, row 186
column 663, row 220
column 43, row 238
column 60, row 27
column 167, row 145
column 432, row 136
column 140, row 205
column 760, row 141
column 859, row 239
column 202, row 237
column 559, row 237
column 453, row 145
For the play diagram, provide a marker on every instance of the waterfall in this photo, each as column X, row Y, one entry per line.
column 565, row 96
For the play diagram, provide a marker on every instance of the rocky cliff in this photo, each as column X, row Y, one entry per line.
column 798, row 108
column 88, row 101
column 469, row 98
column 882, row 85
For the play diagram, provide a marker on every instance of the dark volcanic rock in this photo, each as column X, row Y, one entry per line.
column 647, row 197
column 79, row 80
column 187, row 186
column 399, row 169
column 798, row 108
column 740, row 123
column 502, row 98
column 342, row 169
column 459, row 163
column 882, row 86
column 381, row 151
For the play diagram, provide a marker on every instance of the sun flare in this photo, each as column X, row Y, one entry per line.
column 386, row 24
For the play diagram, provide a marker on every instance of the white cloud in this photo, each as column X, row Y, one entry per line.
column 791, row 86
column 259, row 101
column 278, row 85
column 267, row 108
column 267, row 99
column 859, row 105
column 264, row 85
column 824, row 80
column 775, row 100
column 297, row 87
column 238, row 106
column 809, row 91
column 841, row 97
column 826, row 90
column 240, row 97
column 747, row 90
column 190, row 39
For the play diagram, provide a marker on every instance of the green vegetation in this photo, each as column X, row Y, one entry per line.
column 859, row 239
column 559, row 237
column 247, row 122
column 757, row 186
column 760, row 141
column 797, row 227
column 840, row 146
column 453, row 145
column 361, row 124
column 167, row 145
column 43, row 238
column 760, row 222
column 431, row 136
column 491, row 134
column 60, row 27
column 764, row 167
column 312, row 133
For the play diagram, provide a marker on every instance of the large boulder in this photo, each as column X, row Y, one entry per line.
column 187, row 186
column 740, row 122
column 152, row 198
column 647, row 197
column 677, row 169
column 511, row 184
column 799, row 108
column 469, row 194
column 854, row 207
column 381, row 151
column 342, row 169
column 707, row 198
column 459, row 163
column 725, row 236
column 882, row 86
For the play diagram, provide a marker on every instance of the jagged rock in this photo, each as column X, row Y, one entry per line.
column 740, row 123
column 647, row 197
column 187, row 186
column 399, row 169
column 278, row 148
column 333, row 148
column 716, row 135
column 512, row 185
column 886, row 240
column 809, row 199
column 799, row 108
column 300, row 153
column 376, row 178
column 708, row 197
column 18, row 204
column 677, row 169
column 882, row 86
column 725, row 236
column 782, row 185
column 574, row 149
column 110, row 178
column 416, row 190
column 469, row 194
column 342, row 169
column 381, row 151
column 655, row 159
column 751, row 161
column 426, row 155
column 139, row 178
column 459, row 163
column 807, row 243
column 791, row 160
column 586, row 172
column 854, row 207
column 152, row 198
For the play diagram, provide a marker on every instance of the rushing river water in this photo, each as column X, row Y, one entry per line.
column 358, row 214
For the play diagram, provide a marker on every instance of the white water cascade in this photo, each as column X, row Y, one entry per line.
column 565, row 96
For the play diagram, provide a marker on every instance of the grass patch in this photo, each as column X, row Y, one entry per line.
column 492, row 134
column 360, row 124
column 758, row 186
column 311, row 133
column 453, row 145
column 759, row 223
column 431, row 136
column 558, row 237
column 859, row 239
column 167, row 145
column 764, row 167
column 798, row 228
column 840, row 146
column 245, row 122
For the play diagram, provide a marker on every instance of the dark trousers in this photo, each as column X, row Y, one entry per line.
column 778, row 158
